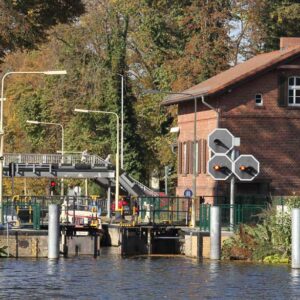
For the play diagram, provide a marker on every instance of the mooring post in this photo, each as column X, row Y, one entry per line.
column 215, row 233
column 53, row 232
column 296, row 238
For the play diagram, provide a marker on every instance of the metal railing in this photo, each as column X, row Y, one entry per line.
column 164, row 211
column 23, row 214
column 243, row 214
column 32, row 211
column 144, row 187
column 70, row 159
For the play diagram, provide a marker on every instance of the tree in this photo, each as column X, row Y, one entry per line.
column 258, row 25
column 165, row 45
column 24, row 24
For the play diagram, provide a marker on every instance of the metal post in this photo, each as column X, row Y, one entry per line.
column 108, row 201
column 296, row 238
column 166, row 179
column 193, row 216
column 86, row 187
column 215, row 233
column 232, row 194
column 53, row 232
column 62, row 145
column 2, row 127
column 117, row 152
column 122, row 121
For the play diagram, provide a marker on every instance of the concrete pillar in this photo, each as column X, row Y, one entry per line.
column 296, row 238
column 215, row 233
column 53, row 231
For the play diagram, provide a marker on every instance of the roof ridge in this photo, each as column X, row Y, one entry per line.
column 236, row 74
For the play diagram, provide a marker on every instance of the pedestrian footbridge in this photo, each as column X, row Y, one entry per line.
column 71, row 166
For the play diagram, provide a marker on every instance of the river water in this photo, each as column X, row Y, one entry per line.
column 113, row 277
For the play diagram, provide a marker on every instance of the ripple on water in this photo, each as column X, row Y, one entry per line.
column 112, row 277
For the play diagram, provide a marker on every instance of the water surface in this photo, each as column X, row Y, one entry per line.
column 113, row 277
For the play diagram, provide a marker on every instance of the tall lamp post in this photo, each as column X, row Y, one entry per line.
column 62, row 142
column 56, row 72
column 122, row 120
column 117, row 152
column 194, row 188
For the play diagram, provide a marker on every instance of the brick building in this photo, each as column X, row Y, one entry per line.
column 258, row 101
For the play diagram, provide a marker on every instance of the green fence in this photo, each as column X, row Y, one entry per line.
column 22, row 214
column 242, row 214
column 164, row 210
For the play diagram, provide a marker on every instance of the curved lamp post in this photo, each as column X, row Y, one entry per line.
column 117, row 152
column 57, row 72
column 62, row 143
column 194, row 188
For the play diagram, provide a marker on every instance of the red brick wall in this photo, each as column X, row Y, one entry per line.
column 271, row 133
column 206, row 122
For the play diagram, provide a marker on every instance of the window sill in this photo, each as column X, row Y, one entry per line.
column 259, row 107
column 291, row 107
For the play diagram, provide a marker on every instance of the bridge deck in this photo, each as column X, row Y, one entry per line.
column 70, row 166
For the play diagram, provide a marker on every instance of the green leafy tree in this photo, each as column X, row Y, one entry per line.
column 24, row 24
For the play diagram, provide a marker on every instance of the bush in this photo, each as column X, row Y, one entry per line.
column 269, row 241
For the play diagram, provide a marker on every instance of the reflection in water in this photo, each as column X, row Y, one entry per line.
column 111, row 277
column 295, row 281
column 52, row 266
column 295, row 275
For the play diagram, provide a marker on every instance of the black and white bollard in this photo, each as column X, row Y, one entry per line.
column 215, row 233
column 296, row 238
column 53, row 231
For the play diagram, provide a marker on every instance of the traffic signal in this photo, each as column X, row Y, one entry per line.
column 221, row 141
column 11, row 169
column 52, row 185
column 246, row 167
column 168, row 171
column 220, row 167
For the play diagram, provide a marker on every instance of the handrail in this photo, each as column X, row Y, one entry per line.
column 53, row 159
column 143, row 187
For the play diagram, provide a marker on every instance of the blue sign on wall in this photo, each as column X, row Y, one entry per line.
column 188, row 193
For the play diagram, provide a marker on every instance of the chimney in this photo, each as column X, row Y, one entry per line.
column 286, row 42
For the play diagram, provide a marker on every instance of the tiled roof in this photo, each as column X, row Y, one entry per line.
column 234, row 75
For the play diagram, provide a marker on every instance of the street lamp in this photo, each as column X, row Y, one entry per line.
column 117, row 152
column 62, row 143
column 194, row 188
column 56, row 72
column 55, row 124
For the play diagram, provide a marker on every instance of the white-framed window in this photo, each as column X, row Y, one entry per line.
column 259, row 100
column 294, row 91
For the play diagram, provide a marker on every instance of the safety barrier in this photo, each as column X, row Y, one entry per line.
column 22, row 214
column 164, row 210
column 32, row 211
column 242, row 214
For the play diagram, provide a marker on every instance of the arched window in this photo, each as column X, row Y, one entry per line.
column 294, row 91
